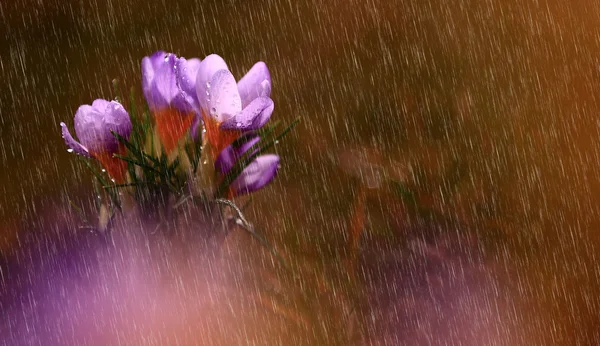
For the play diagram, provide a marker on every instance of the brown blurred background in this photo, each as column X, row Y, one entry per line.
column 507, row 89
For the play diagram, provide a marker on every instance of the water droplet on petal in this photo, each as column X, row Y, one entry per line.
column 167, row 57
column 264, row 87
column 239, row 124
column 213, row 111
column 69, row 150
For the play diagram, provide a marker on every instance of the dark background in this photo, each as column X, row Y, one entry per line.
column 508, row 89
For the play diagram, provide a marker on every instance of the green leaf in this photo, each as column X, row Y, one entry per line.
column 138, row 163
column 118, row 186
column 132, row 148
column 263, row 132
column 138, row 133
column 92, row 169
column 173, row 166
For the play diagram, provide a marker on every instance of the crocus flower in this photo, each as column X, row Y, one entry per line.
column 169, row 85
column 256, row 175
column 93, row 126
column 229, row 108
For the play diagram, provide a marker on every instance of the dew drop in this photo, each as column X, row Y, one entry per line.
column 167, row 57
column 103, row 170
column 69, row 150
column 264, row 86
column 239, row 124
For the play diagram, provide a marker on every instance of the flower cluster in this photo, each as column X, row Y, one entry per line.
column 189, row 100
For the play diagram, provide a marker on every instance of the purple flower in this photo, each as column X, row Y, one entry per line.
column 169, row 85
column 170, row 82
column 93, row 126
column 255, row 176
column 230, row 106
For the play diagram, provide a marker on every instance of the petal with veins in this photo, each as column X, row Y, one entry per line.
column 256, row 83
column 253, row 117
column 72, row 143
column 224, row 96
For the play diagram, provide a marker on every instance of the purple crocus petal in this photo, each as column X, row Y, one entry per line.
column 229, row 156
column 159, row 81
column 100, row 105
column 225, row 99
column 195, row 127
column 157, row 58
column 252, row 117
column 207, row 69
column 184, row 103
column 147, row 73
column 186, row 73
column 165, row 87
column 93, row 125
column 116, row 119
column 72, row 143
column 256, row 83
column 89, row 125
column 149, row 65
column 258, row 174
